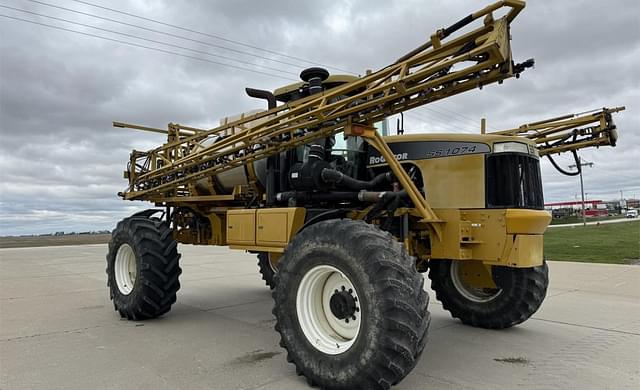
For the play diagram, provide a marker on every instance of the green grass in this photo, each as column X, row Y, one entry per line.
column 617, row 243
column 577, row 219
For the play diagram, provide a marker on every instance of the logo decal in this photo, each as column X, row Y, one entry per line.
column 424, row 150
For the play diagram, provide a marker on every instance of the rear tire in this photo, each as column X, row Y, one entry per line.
column 520, row 293
column 350, row 306
column 142, row 268
column 267, row 270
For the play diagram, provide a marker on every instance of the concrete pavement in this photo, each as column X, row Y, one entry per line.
column 58, row 330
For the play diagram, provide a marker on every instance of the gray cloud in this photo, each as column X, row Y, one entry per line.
column 61, row 162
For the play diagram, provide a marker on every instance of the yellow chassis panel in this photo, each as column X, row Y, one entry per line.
column 503, row 237
column 526, row 251
column 509, row 237
column 265, row 230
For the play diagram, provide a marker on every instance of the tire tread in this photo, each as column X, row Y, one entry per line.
column 402, row 300
column 522, row 299
column 159, row 268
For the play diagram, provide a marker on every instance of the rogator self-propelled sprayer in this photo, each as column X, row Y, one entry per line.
column 343, row 219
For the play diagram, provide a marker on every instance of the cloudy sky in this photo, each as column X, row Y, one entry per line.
column 61, row 162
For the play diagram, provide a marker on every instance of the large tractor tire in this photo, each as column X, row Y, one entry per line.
column 518, row 293
column 142, row 268
column 267, row 269
column 350, row 306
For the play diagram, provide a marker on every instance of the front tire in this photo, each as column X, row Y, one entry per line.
column 350, row 306
column 517, row 295
column 142, row 268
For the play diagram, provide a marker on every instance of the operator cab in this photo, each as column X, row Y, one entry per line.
column 299, row 169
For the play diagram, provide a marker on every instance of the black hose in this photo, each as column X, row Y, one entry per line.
column 388, row 203
column 578, row 167
column 562, row 141
column 381, row 197
column 332, row 176
column 317, row 196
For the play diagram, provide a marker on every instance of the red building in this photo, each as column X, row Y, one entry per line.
column 593, row 208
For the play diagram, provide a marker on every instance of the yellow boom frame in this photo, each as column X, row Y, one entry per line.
column 440, row 68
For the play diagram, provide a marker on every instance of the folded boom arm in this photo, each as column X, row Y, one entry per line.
column 441, row 68
column 570, row 133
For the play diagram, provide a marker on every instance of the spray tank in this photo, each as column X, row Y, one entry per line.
column 225, row 182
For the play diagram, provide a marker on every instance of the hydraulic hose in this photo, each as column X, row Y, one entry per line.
column 340, row 196
column 332, row 176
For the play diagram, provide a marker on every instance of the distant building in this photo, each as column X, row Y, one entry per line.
column 593, row 208
column 576, row 205
column 615, row 206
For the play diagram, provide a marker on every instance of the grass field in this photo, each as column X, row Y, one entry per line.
column 576, row 219
column 81, row 239
column 617, row 243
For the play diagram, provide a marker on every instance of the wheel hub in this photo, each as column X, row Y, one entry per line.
column 343, row 304
column 125, row 269
column 328, row 309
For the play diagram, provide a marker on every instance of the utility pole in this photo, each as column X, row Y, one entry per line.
column 582, row 163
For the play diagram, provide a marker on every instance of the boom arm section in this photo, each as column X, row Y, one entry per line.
column 571, row 132
column 440, row 68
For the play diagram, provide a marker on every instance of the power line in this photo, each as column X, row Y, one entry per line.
column 614, row 191
column 208, row 35
column 428, row 117
column 149, row 40
column 142, row 46
column 462, row 119
column 440, row 123
column 163, row 33
column 456, row 113
column 223, row 47
column 213, row 45
column 468, row 118
column 447, row 118
column 429, row 121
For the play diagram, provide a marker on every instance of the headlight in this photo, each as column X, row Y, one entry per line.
column 513, row 147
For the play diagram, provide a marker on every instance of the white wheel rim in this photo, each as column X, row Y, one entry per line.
column 272, row 265
column 125, row 269
column 324, row 330
column 479, row 295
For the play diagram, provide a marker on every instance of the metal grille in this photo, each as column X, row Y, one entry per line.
column 513, row 181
